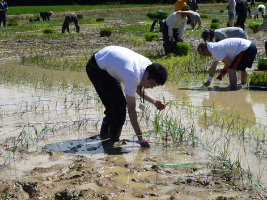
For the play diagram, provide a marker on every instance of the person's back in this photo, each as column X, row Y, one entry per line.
column 195, row 19
column 229, row 32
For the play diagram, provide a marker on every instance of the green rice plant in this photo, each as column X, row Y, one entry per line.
column 182, row 49
column 253, row 26
column 221, row 11
column 258, row 79
column 105, row 32
column 149, row 36
column 79, row 16
column 100, row 19
column 49, row 31
column 34, row 19
column 12, row 23
column 215, row 20
column 204, row 16
column 214, row 26
column 157, row 15
column 262, row 64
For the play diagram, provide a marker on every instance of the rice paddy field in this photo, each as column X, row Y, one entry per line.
column 208, row 143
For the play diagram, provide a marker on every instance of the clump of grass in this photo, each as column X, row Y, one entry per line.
column 221, row 11
column 182, row 49
column 80, row 16
column 262, row 64
column 214, row 26
column 100, row 19
column 157, row 15
column 204, row 16
column 258, row 79
column 215, row 20
column 34, row 19
column 105, row 32
column 253, row 26
column 151, row 36
column 49, row 31
column 12, row 23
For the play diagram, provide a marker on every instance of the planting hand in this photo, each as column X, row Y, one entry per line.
column 172, row 40
column 256, row 30
column 219, row 77
column 143, row 142
column 159, row 105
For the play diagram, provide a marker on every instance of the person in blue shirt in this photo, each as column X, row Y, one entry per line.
column 3, row 9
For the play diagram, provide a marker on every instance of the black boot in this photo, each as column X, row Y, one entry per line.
column 115, row 133
column 104, row 131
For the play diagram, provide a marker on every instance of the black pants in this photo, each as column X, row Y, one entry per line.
column 252, row 4
column 167, row 44
column 266, row 48
column 154, row 23
column 3, row 17
column 110, row 93
column 240, row 22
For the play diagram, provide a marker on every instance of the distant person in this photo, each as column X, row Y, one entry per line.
column 113, row 65
column 236, row 54
column 231, row 12
column 45, row 15
column 249, row 12
column 3, row 10
column 155, row 21
column 252, row 3
column 223, row 33
column 260, row 9
column 242, row 12
column 173, row 28
column 71, row 17
column 192, row 5
column 260, row 28
column 195, row 19
column 179, row 5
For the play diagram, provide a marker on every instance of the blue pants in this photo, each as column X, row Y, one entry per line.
column 168, row 47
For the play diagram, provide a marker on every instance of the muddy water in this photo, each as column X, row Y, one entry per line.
column 71, row 140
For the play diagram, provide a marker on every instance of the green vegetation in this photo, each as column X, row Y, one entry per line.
column 253, row 26
column 12, row 23
column 215, row 20
column 204, row 16
column 262, row 65
column 157, row 15
column 34, row 19
column 105, row 32
column 49, row 31
column 149, row 36
column 258, row 79
column 79, row 16
column 101, row 19
column 182, row 49
column 214, row 26
column 221, row 11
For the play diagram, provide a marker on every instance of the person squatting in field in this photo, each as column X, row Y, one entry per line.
column 45, row 15
column 71, row 17
column 112, row 65
column 236, row 54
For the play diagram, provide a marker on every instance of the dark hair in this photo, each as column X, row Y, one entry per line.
column 158, row 73
column 211, row 34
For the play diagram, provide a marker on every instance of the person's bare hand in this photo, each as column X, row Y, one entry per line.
column 143, row 142
column 256, row 30
column 159, row 105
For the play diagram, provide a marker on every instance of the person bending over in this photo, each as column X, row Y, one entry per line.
column 260, row 28
column 71, row 17
column 235, row 53
column 45, row 15
column 106, row 70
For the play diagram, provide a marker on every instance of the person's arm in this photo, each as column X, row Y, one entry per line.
column 131, row 104
column 227, row 63
column 182, row 29
column 212, row 73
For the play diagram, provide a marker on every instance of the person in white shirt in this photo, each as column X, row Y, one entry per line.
column 260, row 28
column 235, row 53
column 107, row 69
column 173, row 28
column 260, row 9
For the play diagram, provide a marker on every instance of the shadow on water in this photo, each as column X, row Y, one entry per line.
column 92, row 145
column 214, row 88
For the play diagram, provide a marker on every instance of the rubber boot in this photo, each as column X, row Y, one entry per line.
column 115, row 133
column 104, row 131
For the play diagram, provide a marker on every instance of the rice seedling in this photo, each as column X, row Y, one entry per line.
column 105, row 32
column 149, row 36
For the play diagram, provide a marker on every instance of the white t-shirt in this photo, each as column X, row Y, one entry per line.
column 124, row 65
column 229, row 47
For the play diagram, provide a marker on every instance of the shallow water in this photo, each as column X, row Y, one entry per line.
column 58, row 110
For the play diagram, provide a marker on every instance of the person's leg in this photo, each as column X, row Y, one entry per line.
column 266, row 48
column 166, row 43
column 244, row 75
column 231, row 19
column 111, row 95
column 160, row 26
column 1, row 17
column 4, row 19
column 232, row 77
column 153, row 25
column 243, row 20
